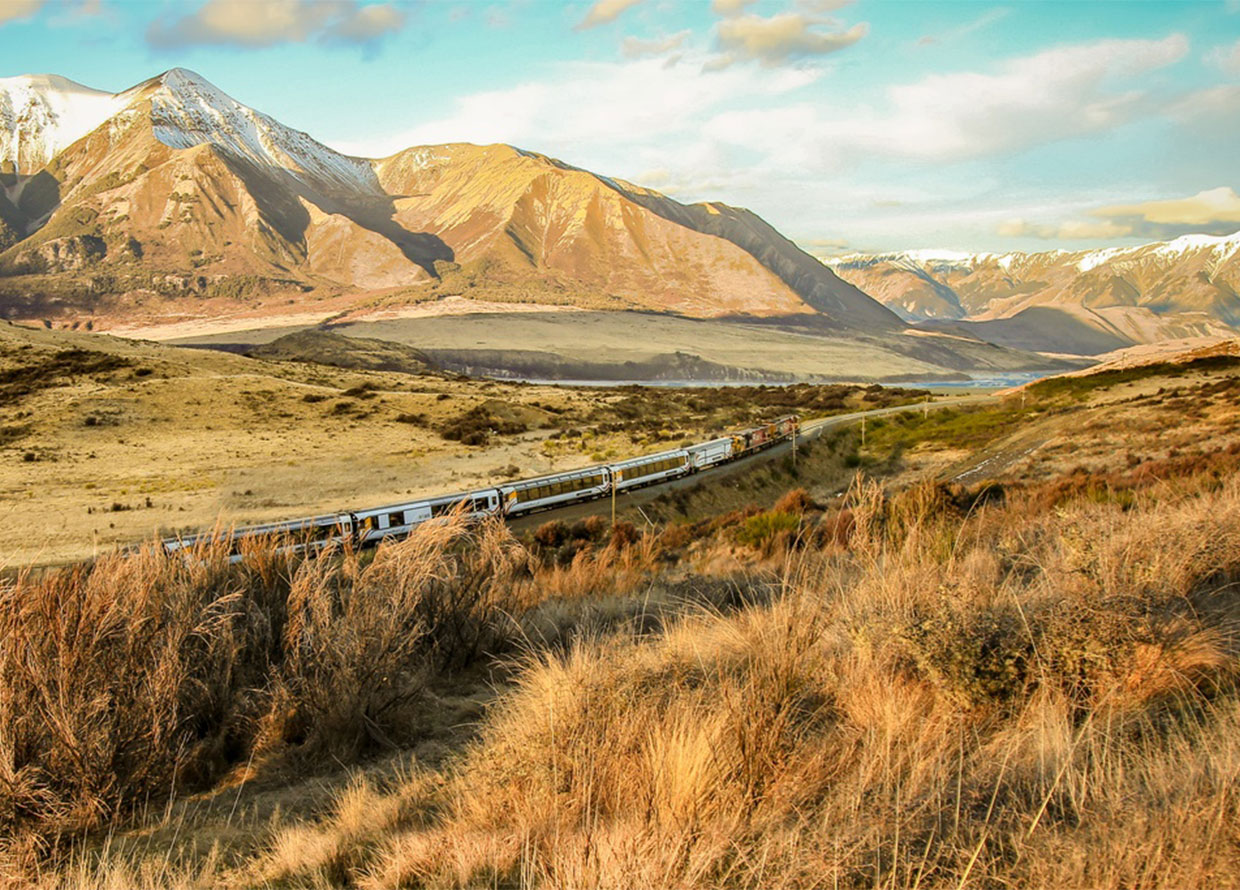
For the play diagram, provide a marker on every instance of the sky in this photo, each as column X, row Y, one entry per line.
column 869, row 126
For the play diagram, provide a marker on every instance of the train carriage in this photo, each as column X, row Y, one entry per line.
column 400, row 519
column 649, row 469
column 708, row 454
column 529, row 495
column 302, row 534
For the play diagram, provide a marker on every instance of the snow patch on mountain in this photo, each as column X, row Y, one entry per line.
column 1220, row 247
column 187, row 111
column 43, row 114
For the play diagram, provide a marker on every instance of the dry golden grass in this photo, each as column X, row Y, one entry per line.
column 1010, row 700
column 935, row 688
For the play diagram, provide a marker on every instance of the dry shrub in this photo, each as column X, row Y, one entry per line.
column 973, row 696
column 144, row 675
column 796, row 501
column 121, row 681
column 360, row 640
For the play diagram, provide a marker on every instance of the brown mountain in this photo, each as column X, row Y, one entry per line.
column 172, row 195
column 1083, row 302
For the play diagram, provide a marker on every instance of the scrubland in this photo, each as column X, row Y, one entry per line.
column 106, row 441
column 1024, row 681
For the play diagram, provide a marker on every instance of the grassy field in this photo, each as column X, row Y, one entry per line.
column 1028, row 680
column 105, row 441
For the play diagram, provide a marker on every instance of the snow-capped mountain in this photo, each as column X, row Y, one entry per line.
column 187, row 110
column 1094, row 298
column 174, row 189
column 43, row 114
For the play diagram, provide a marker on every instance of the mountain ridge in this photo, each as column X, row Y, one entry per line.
column 1095, row 300
column 183, row 193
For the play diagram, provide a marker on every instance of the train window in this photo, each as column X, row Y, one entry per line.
column 443, row 507
column 395, row 519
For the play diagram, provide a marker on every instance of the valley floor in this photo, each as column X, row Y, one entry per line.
column 1003, row 655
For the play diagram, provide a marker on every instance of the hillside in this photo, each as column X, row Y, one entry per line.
column 1006, row 656
column 1082, row 302
column 172, row 200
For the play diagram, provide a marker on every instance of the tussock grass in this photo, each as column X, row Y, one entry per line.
column 935, row 688
column 1002, row 699
column 142, row 676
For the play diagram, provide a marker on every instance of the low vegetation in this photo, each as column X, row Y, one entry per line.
column 1028, row 682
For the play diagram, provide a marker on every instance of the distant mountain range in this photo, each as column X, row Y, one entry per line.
column 1083, row 302
column 170, row 195
column 172, row 201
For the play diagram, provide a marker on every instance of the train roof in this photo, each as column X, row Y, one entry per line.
column 431, row 499
column 646, row 458
column 566, row 474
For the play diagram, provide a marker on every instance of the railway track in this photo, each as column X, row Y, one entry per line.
column 584, row 491
column 809, row 431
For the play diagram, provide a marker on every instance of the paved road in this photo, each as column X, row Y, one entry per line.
column 809, row 431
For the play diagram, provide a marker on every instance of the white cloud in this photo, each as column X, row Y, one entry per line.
column 985, row 20
column 817, row 6
column 728, row 8
column 635, row 48
column 1212, row 211
column 1054, row 95
column 590, row 110
column 1212, row 205
column 261, row 23
column 1226, row 58
column 11, row 10
column 604, row 11
column 1069, row 230
column 775, row 40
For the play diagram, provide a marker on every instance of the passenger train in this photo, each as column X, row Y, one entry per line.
column 367, row 528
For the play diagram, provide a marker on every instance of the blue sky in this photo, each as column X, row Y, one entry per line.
column 871, row 125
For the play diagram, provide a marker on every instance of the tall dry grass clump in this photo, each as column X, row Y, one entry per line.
column 968, row 695
column 127, row 681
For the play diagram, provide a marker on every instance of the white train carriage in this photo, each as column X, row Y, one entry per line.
column 649, row 469
column 708, row 454
column 302, row 534
column 400, row 519
column 529, row 495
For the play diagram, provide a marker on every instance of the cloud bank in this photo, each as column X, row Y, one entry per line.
column 12, row 10
column 263, row 23
column 604, row 11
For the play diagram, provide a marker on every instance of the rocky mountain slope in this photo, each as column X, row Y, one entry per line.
column 1084, row 302
column 172, row 196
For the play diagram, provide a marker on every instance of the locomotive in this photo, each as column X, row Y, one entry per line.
column 366, row 528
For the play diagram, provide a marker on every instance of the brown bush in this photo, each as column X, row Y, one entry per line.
column 477, row 425
column 145, row 675
column 797, row 501
column 1045, row 703
column 552, row 533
